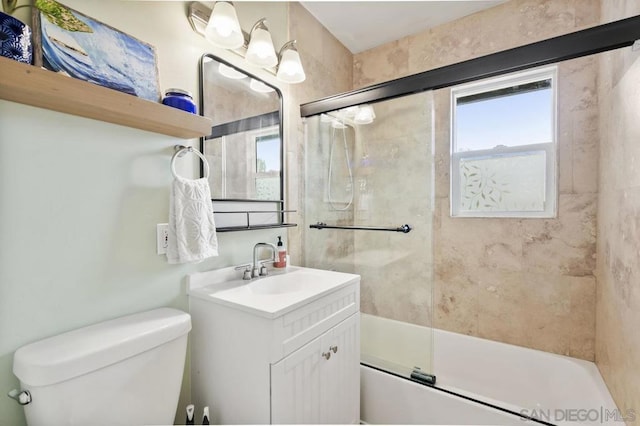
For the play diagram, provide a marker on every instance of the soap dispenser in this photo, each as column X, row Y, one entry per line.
column 281, row 255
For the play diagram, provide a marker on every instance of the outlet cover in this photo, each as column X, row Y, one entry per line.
column 162, row 237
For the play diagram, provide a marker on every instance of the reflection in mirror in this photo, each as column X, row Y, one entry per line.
column 244, row 149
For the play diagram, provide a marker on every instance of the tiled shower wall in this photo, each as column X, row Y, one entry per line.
column 393, row 188
column 329, row 68
column 618, row 271
column 528, row 282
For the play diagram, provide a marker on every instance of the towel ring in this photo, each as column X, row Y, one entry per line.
column 182, row 150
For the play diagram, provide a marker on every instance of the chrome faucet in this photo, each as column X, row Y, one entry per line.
column 256, row 270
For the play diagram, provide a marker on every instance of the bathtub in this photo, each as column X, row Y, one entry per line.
column 478, row 381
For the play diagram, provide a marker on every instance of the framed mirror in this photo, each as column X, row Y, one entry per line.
column 244, row 149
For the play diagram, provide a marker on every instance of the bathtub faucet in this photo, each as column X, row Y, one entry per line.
column 257, row 270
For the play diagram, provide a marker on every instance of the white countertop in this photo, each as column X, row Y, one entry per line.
column 270, row 296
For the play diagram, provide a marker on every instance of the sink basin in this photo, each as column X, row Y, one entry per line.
column 279, row 284
column 268, row 296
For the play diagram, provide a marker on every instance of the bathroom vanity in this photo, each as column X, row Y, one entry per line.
column 278, row 349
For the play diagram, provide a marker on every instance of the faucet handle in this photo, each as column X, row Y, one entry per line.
column 246, row 275
column 255, row 272
column 263, row 270
column 243, row 266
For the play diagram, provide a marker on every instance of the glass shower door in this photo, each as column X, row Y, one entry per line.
column 371, row 166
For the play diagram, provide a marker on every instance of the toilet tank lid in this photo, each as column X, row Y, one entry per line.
column 87, row 349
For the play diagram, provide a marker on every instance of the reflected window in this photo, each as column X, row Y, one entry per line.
column 503, row 146
column 267, row 173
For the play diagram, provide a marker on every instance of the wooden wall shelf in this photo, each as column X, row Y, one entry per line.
column 34, row 86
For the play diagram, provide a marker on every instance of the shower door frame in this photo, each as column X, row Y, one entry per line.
column 601, row 38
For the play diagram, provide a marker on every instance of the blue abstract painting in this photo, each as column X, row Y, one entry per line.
column 99, row 54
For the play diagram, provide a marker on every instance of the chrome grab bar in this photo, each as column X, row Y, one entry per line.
column 405, row 229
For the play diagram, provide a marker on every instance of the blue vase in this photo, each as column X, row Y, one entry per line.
column 15, row 39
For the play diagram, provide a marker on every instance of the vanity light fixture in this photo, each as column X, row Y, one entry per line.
column 223, row 28
column 290, row 67
column 260, row 51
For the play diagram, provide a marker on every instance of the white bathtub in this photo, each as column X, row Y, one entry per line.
column 552, row 388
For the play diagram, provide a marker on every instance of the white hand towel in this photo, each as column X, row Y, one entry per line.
column 192, row 231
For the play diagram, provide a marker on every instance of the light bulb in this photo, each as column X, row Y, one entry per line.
column 291, row 63
column 223, row 25
column 290, row 69
column 223, row 28
column 260, row 51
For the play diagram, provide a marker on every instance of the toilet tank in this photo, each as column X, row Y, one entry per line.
column 119, row 372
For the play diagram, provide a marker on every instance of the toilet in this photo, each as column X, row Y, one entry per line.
column 119, row 372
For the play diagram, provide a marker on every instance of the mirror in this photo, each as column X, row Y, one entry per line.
column 244, row 149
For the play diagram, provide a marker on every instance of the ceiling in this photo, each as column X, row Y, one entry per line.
column 363, row 25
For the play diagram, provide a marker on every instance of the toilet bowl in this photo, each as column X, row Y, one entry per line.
column 119, row 372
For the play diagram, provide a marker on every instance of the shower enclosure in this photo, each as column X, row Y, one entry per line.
column 516, row 290
column 369, row 210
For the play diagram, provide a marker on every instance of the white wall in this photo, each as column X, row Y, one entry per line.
column 79, row 201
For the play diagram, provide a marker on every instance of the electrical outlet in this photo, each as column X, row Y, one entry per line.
column 162, row 237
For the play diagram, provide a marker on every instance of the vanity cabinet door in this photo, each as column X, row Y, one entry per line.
column 296, row 385
column 341, row 375
column 320, row 382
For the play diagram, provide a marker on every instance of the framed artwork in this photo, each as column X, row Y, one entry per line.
column 69, row 42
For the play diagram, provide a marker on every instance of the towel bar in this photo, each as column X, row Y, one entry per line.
column 405, row 229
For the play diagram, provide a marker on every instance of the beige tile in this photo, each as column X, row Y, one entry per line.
column 306, row 30
column 577, row 84
column 617, row 343
column 400, row 293
column 442, row 164
column 480, row 243
column 455, row 299
column 587, row 13
column 565, row 152
column 545, row 18
column 565, row 245
column 561, row 314
column 585, row 150
column 381, row 64
column 501, row 315
column 618, row 272
column 553, row 314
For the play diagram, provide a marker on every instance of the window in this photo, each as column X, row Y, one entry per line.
column 503, row 146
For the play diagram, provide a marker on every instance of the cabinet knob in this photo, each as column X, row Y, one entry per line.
column 334, row 348
column 326, row 355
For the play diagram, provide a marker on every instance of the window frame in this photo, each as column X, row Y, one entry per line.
column 550, row 148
